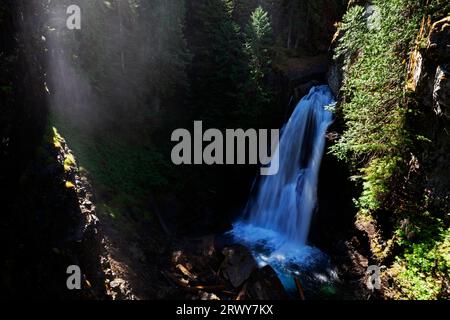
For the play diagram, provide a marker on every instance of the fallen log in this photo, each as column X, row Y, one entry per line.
column 298, row 284
column 186, row 272
column 185, row 285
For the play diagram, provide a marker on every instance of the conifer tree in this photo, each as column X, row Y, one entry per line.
column 217, row 72
column 258, row 42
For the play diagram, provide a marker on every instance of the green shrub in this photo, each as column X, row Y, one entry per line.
column 423, row 270
column 373, row 97
column 376, row 142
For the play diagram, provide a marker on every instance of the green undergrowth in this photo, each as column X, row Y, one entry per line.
column 373, row 96
column 423, row 270
column 123, row 173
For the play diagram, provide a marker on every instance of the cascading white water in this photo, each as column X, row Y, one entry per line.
column 277, row 220
column 285, row 202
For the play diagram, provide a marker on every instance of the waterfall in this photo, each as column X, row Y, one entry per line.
column 285, row 202
column 277, row 219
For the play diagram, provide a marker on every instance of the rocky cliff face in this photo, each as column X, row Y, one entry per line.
column 429, row 82
column 395, row 234
column 49, row 220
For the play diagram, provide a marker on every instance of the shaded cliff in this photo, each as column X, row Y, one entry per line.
column 49, row 221
column 392, row 131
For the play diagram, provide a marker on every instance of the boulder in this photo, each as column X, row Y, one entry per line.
column 238, row 265
column 264, row 284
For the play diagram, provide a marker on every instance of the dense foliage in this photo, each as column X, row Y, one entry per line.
column 230, row 64
column 378, row 143
column 133, row 87
column 374, row 104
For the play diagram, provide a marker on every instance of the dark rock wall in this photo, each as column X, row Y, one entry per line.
column 22, row 87
column 429, row 85
column 44, row 228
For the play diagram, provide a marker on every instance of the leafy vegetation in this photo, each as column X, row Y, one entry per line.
column 378, row 143
column 124, row 174
column 423, row 271
column 373, row 93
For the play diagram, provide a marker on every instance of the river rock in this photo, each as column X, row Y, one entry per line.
column 264, row 284
column 206, row 296
column 238, row 264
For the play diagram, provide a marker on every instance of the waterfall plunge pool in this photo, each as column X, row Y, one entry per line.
column 311, row 266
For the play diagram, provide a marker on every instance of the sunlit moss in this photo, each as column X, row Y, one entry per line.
column 70, row 185
column 69, row 162
column 57, row 139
